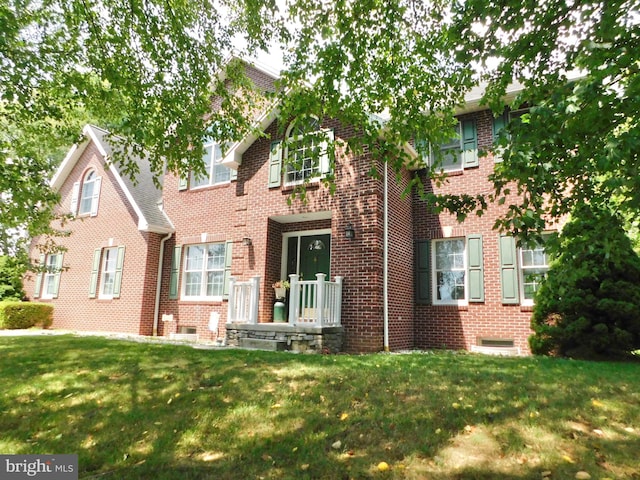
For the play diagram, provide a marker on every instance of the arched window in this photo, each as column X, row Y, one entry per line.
column 86, row 194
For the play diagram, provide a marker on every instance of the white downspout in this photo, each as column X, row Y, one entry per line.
column 385, row 256
column 156, row 309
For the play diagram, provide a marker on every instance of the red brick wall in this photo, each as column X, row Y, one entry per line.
column 116, row 220
column 460, row 327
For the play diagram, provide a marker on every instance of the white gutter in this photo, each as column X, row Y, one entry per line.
column 156, row 309
column 385, row 257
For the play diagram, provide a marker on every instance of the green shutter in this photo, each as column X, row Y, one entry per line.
column 469, row 144
column 95, row 199
column 56, row 278
column 75, row 194
column 39, row 275
column 475, row 268
column 174, row 279
column 95, row 268
column 423, row 272
column 117, row 280
column 275, row 164
column 499, row 123
column 227, row 268
column 183, row 183
column 508, row 270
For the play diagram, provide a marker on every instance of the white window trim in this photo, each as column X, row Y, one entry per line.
column 104, row 271
column 203, row 272
column 526, row 302
column 323, row 156
column 434, row 274
column 49, row 273
column 212, row 168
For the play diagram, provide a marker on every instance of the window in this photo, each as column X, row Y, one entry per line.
column 107, row 267
column 109, row 259
column 215, row 172
column 534, row 265
column 307, row 154
column 500, row 122
column 48, row 282
column 449, row 271
column 457, row 153
column 86, row 195
column 204, row 271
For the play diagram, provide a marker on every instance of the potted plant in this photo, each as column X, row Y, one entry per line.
column 281, row 287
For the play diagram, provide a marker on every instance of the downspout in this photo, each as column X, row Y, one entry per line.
column 385, row 257
column 156, row 309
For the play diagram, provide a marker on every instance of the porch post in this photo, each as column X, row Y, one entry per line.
column 338, row 305
column 231, row 310
column 320, row 292
column 254, row 297
column 294, row 299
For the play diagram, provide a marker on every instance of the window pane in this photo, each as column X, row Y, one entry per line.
column 107, row 284
column 201, row 180
column 450, row 286
column 215, row 256
column 214, row 284
column 532, row 278
column 450, row 254
column 195, row 257
column 192, row 286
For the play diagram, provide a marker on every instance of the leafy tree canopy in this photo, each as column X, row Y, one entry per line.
column 147, row 71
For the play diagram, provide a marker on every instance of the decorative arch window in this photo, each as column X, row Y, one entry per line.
column 86, row 195
column 306, row 153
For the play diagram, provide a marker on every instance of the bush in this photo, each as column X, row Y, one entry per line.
column 589, row 305
column 14, row 315
column 11, row 271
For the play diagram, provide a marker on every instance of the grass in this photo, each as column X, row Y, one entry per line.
column 138, row 411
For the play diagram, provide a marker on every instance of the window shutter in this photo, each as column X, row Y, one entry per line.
column 75, row 194
column 499, row 123
column 95, row 199
column 39, row 275
column 326, row 152
column 475, row 267
column 175, row 273
column 227, row 268
column 183, row 183
column 56, row 278
column 275, row 164
column 93, row 281
column 508, row 270
column 469, row 140
column 117, row 279
column 423, row 272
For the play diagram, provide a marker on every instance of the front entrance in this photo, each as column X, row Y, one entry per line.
column 308, row 253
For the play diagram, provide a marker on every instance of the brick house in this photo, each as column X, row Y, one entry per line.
column 369, row 268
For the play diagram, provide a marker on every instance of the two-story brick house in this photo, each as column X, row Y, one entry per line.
column 369, row 267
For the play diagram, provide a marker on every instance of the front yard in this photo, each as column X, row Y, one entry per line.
column 137, row 411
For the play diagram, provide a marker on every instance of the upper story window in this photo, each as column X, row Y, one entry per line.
column 304, row 152
column 534, row 264
column 86, row 195
column 215, row 173
column 500, row 123
column 455, row 154
column 204, row 271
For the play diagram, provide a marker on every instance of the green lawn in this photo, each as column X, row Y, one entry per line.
column 141, row 411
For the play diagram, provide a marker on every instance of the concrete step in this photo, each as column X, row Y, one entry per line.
column 262, row 344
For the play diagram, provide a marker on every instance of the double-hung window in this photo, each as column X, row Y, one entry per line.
column 109, row 262
column 48, row 282
column 204, row 271
column 449, row 271
column 215, row 173
column 534, row 264
column 85, row 195
column 106, row 273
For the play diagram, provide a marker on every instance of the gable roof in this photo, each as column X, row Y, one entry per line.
column 143, row 195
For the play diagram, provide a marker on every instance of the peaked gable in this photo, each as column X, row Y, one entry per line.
column 142, row 194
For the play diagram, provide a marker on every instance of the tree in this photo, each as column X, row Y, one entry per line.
column 11, row 271
column 589, row 304
column 147, row 71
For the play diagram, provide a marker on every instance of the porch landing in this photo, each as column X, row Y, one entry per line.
column 272, row 336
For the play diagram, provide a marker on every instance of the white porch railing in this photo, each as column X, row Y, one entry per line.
column 315, row 302
column 243, row 300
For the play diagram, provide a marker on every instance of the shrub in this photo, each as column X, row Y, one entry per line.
column 589, row 304
column 11, row 271
column 15, row 315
